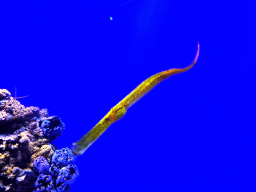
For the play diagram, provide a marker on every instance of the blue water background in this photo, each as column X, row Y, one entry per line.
column 193, row 132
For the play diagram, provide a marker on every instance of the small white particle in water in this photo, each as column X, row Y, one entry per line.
column 111, row 18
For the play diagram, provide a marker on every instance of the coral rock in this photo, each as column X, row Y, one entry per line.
column 66, row 177
column 52, row 127
column 41, row 164
column 28, row 160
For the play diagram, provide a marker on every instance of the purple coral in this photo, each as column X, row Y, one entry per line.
column 60, row 159
column 44, row 183
column 52, row 127
column 41, row 164
column 28, row 160
column 4, row 94
column 66, row 177
column 63, row 172
column 63, row 157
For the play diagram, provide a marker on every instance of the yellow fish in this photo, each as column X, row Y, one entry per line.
column 119, row 110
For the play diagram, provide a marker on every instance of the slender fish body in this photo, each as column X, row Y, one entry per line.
column 119, row 110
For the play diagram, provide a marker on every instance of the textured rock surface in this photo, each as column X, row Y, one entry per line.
column 28, row 160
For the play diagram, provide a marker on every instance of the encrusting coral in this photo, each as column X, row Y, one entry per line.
column 28, row 160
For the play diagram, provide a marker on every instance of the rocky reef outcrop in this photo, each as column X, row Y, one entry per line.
column 28, row 160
